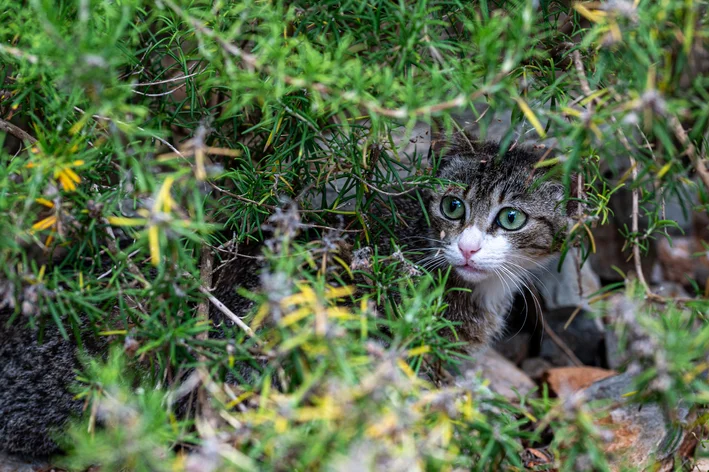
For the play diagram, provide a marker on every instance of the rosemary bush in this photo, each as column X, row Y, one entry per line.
column 182, row 126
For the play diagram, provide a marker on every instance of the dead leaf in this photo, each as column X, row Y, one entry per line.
column 566, row 380
column 533, row 458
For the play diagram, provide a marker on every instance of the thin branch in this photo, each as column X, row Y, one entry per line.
column 562, row 345
column 634, row 225
column 174, row 79
column 218, row 304
column 206, row 270
column 582, row 74
column 19, row 54
column 226, row 311
column 160, row 94
column 414, row 185
column 105, row 118
column 16, row 132
column 697, row 161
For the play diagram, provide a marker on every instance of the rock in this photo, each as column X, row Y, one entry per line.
column 565, row 380
column 683, row 260
column 682, row 216
column 17, row 464
column 676, row 258
column 514, row 348
column 641, row 435
column 609, row 247
column 614, row 358
column 504, row 377
column 670, row 290
column 617, row 310
column 535, row 367
column 583, row 336
column 560, row 288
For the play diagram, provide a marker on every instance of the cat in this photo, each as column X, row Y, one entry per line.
column 497, row 220
column 501, row 219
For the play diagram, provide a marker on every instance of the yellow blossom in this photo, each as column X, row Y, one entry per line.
column 45, row 202
column 67, row 177
column 417, row 351
column 45, row 223
column 594, row 16
column 163, row 203
column 121, row 221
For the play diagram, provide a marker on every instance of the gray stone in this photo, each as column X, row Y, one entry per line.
column 641, row 434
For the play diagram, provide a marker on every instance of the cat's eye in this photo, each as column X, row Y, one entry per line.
column 511, row 219
column 452, row 208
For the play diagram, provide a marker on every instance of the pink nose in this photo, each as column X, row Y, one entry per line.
column 468, row 248
column 470, row 242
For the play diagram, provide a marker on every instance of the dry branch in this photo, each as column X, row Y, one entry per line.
column 16, row 132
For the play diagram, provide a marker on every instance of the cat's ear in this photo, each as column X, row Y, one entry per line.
column 447, row 142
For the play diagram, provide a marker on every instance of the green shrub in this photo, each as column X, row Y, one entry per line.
column 183, row 125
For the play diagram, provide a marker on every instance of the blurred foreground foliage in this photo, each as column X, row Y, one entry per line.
column 182, row 126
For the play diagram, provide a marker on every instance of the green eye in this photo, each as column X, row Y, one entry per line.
column 511, row 219
column 452, row 208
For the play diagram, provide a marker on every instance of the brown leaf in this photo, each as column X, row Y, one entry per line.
column 533, row 458
column 565, row 380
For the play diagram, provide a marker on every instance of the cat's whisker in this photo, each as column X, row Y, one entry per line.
column 538, row 306
column 514, row 277
column 526, row 314
column 441, row 263
column 423, row 238
column 432, row 262
column 525, row 272
column 526, row 306
column 427, row 249
column 529, row 259
column 529, row 273
column 500, row 275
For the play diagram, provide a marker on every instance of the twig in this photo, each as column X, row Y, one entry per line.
column 582, row 74
column 160, row 94
column 18, row 53
column 206, row 270
column 561, row 344
column 105, row 118
column 414, row 185
column 697, row 161
column 174, row 79
column 16, row 132
column 635, row 210
column 226, row 311
column 219, row 305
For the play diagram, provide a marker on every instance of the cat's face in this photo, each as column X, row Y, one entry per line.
column 499, row 223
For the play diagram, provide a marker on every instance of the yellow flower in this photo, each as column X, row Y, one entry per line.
column 163, row 203
column 45, row 202
column 67, row 177
column 48, row 222
column 594, row 15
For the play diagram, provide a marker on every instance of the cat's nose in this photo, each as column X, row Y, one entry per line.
column 470, row 242
column 468, row 250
